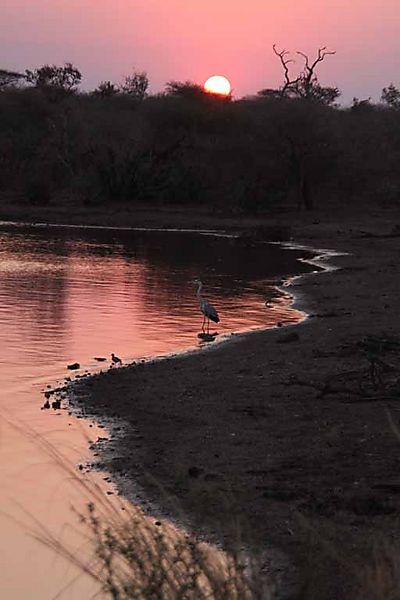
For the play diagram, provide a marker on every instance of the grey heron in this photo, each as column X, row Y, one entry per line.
column 208, row 310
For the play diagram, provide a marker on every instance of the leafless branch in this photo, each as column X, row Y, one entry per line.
column 285, row 62
column 309, row 70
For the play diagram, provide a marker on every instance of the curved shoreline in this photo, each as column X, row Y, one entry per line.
column 293, row 459
column 116, row 429
column 279, row 569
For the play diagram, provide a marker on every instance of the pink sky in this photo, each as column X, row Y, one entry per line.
column 193, row 39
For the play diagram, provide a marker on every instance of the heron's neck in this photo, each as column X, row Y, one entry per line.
column 199, row 290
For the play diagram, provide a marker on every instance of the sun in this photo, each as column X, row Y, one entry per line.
column 217, row 84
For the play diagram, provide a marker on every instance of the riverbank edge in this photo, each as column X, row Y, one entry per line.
column 352, row 236
column 280, row 570
column 276, row 563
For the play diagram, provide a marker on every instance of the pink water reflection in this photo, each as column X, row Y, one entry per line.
column 70, row 295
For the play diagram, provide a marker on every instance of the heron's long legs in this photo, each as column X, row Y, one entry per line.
column 204, row 322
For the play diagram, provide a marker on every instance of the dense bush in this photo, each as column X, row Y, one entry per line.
column 189, row 147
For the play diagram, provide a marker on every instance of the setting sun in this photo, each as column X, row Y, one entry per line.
column 218, row 85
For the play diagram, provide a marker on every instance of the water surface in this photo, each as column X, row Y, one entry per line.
column 72, row 294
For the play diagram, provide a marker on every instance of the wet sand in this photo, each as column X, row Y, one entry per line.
column 288, row 434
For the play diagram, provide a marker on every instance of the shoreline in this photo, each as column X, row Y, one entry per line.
column 264, row 426
column 277, row 564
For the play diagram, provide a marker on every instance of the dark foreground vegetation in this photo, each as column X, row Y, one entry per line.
column 293, row 146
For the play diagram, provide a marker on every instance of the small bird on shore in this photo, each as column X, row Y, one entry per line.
column 115, row 359
column 208, row 310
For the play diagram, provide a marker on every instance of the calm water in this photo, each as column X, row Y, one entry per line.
column 70, row 294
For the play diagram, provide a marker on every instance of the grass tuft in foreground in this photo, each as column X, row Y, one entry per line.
column 135, row 556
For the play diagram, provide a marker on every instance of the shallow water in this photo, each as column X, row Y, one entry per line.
column 71, row 294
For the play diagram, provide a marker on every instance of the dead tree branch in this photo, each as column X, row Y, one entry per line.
column 309, row 70
column 285, row 62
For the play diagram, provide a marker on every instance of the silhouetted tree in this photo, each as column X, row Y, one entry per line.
column 66, row 78
column 391, row 96
column 184, row 89
column 306, row 84
column 289, row 83
column 106, row 89
column 136, row 85
column 193, row 91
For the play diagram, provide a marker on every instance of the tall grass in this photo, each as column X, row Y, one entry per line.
column 131, row 555
column 138, row 558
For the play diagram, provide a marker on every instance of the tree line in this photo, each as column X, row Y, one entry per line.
column 284, row 147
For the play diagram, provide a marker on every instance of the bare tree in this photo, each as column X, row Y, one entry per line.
column 308, row 77
column 289, row 83
column 306, row 84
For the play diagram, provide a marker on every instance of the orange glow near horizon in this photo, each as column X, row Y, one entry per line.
column 217, row 84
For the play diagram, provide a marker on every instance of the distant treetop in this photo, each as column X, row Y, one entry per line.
column 136, row 85
column 66, row 78
column 306, row 84
column 391, row 96
column 184, row 89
